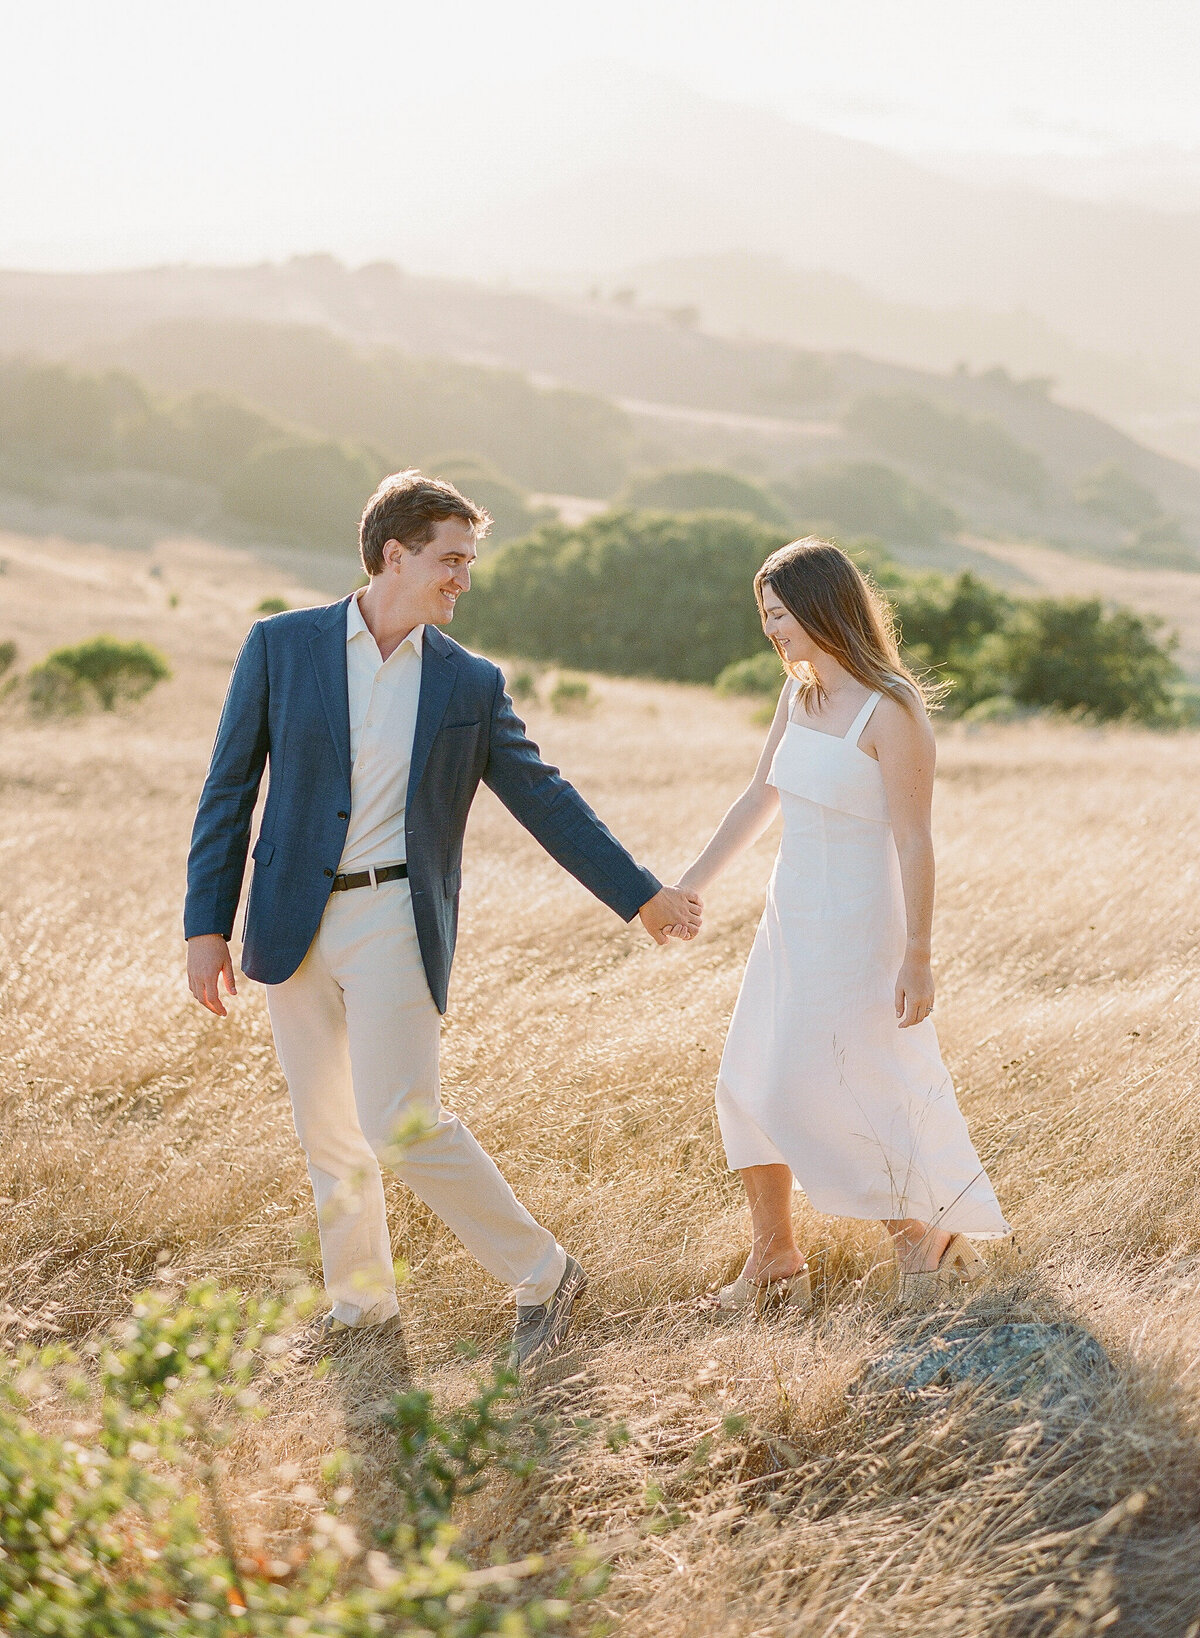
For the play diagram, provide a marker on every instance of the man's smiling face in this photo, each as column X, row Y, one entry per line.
column 434, row 578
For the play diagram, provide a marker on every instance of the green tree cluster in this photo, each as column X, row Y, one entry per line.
column 309, row 489
column 949, row 442
column 648, row 594
column 552, row 439
column 270, row 473
column 656, row 594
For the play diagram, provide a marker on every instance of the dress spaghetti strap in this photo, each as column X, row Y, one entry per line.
column 863, row 717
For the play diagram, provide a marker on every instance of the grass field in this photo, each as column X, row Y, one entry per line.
column 781, row 1501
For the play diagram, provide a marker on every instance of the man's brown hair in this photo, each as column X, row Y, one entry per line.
column 408, row 507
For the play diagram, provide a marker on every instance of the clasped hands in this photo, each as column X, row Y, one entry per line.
column 673, row 912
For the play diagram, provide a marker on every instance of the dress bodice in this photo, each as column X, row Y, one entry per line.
column 830, row 769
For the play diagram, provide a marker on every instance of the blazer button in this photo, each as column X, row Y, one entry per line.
column 342, row 815
column 329, row 872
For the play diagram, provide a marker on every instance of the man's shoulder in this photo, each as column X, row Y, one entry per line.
column 476, row 666
column 290, row 624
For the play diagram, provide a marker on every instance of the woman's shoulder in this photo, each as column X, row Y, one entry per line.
column 902, row 712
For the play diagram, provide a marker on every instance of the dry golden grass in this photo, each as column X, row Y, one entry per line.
column 781, row 1502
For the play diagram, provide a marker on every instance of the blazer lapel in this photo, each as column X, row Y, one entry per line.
column 328, row 648
column 438, row 674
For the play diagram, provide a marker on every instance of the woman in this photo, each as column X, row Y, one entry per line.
column 831, row 1078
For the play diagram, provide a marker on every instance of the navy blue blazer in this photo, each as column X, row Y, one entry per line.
column 288, row 705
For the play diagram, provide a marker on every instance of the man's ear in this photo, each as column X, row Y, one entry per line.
column 393, row 553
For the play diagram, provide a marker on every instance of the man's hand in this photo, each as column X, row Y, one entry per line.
column 672, row 913
column 208, row 959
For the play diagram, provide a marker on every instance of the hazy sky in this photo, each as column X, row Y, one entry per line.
column 152, row 130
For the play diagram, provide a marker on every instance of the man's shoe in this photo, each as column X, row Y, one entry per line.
column 329, row 1338
column 540, row 1329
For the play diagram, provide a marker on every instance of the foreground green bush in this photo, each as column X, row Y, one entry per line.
column 120, row 1529
column 104, row 671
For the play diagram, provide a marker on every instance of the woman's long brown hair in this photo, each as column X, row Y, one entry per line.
column 845, row 615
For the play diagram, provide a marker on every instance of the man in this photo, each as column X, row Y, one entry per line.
column 378, row 730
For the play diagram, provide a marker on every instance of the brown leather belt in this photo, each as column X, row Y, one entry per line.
column 368, row 878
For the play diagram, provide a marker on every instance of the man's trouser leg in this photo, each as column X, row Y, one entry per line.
column 357, row 1034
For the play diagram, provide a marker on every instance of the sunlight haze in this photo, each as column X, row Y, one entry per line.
column 147, row 133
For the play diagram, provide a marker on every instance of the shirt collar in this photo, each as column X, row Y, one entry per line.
column 356, row 626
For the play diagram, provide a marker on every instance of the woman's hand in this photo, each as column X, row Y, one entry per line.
column 681, row 931
column 914, row 991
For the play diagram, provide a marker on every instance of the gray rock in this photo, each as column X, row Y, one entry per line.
column 1046, row 1363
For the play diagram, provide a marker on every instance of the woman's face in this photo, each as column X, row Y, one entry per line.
column 782, row 628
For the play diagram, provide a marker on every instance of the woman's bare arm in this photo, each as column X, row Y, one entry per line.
column 904, row 743
column 748, row 817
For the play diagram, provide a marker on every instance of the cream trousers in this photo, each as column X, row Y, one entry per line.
column 357, row 1034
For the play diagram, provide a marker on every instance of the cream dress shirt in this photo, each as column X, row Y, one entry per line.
column 383, row 696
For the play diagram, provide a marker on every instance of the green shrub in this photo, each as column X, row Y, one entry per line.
column 272, row 605
column 523, row 686
column 8, row 655
column 1071, row 654
column 702, row 489
column 104, row 670
column 996, row 708
column 53, row 691
column 861, row 497
column 762, row 674
column 121, row 1530
column 945, row 626
column 947, row 441
column 635, row 593
column 571, row 693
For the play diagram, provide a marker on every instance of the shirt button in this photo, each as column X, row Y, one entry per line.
column 329, row 872
column 342, row 815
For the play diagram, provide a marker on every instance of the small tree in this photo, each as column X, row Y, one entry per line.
column 104, row 668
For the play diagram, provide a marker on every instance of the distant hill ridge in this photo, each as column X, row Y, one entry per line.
column 348, row 332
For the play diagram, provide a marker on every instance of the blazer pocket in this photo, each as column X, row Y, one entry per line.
column 451, row 883
column 263, row 852
column 449, row 727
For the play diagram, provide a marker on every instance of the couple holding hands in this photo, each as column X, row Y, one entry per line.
column 378, row 730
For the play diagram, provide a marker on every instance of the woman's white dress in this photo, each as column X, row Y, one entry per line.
column 816, row 1072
